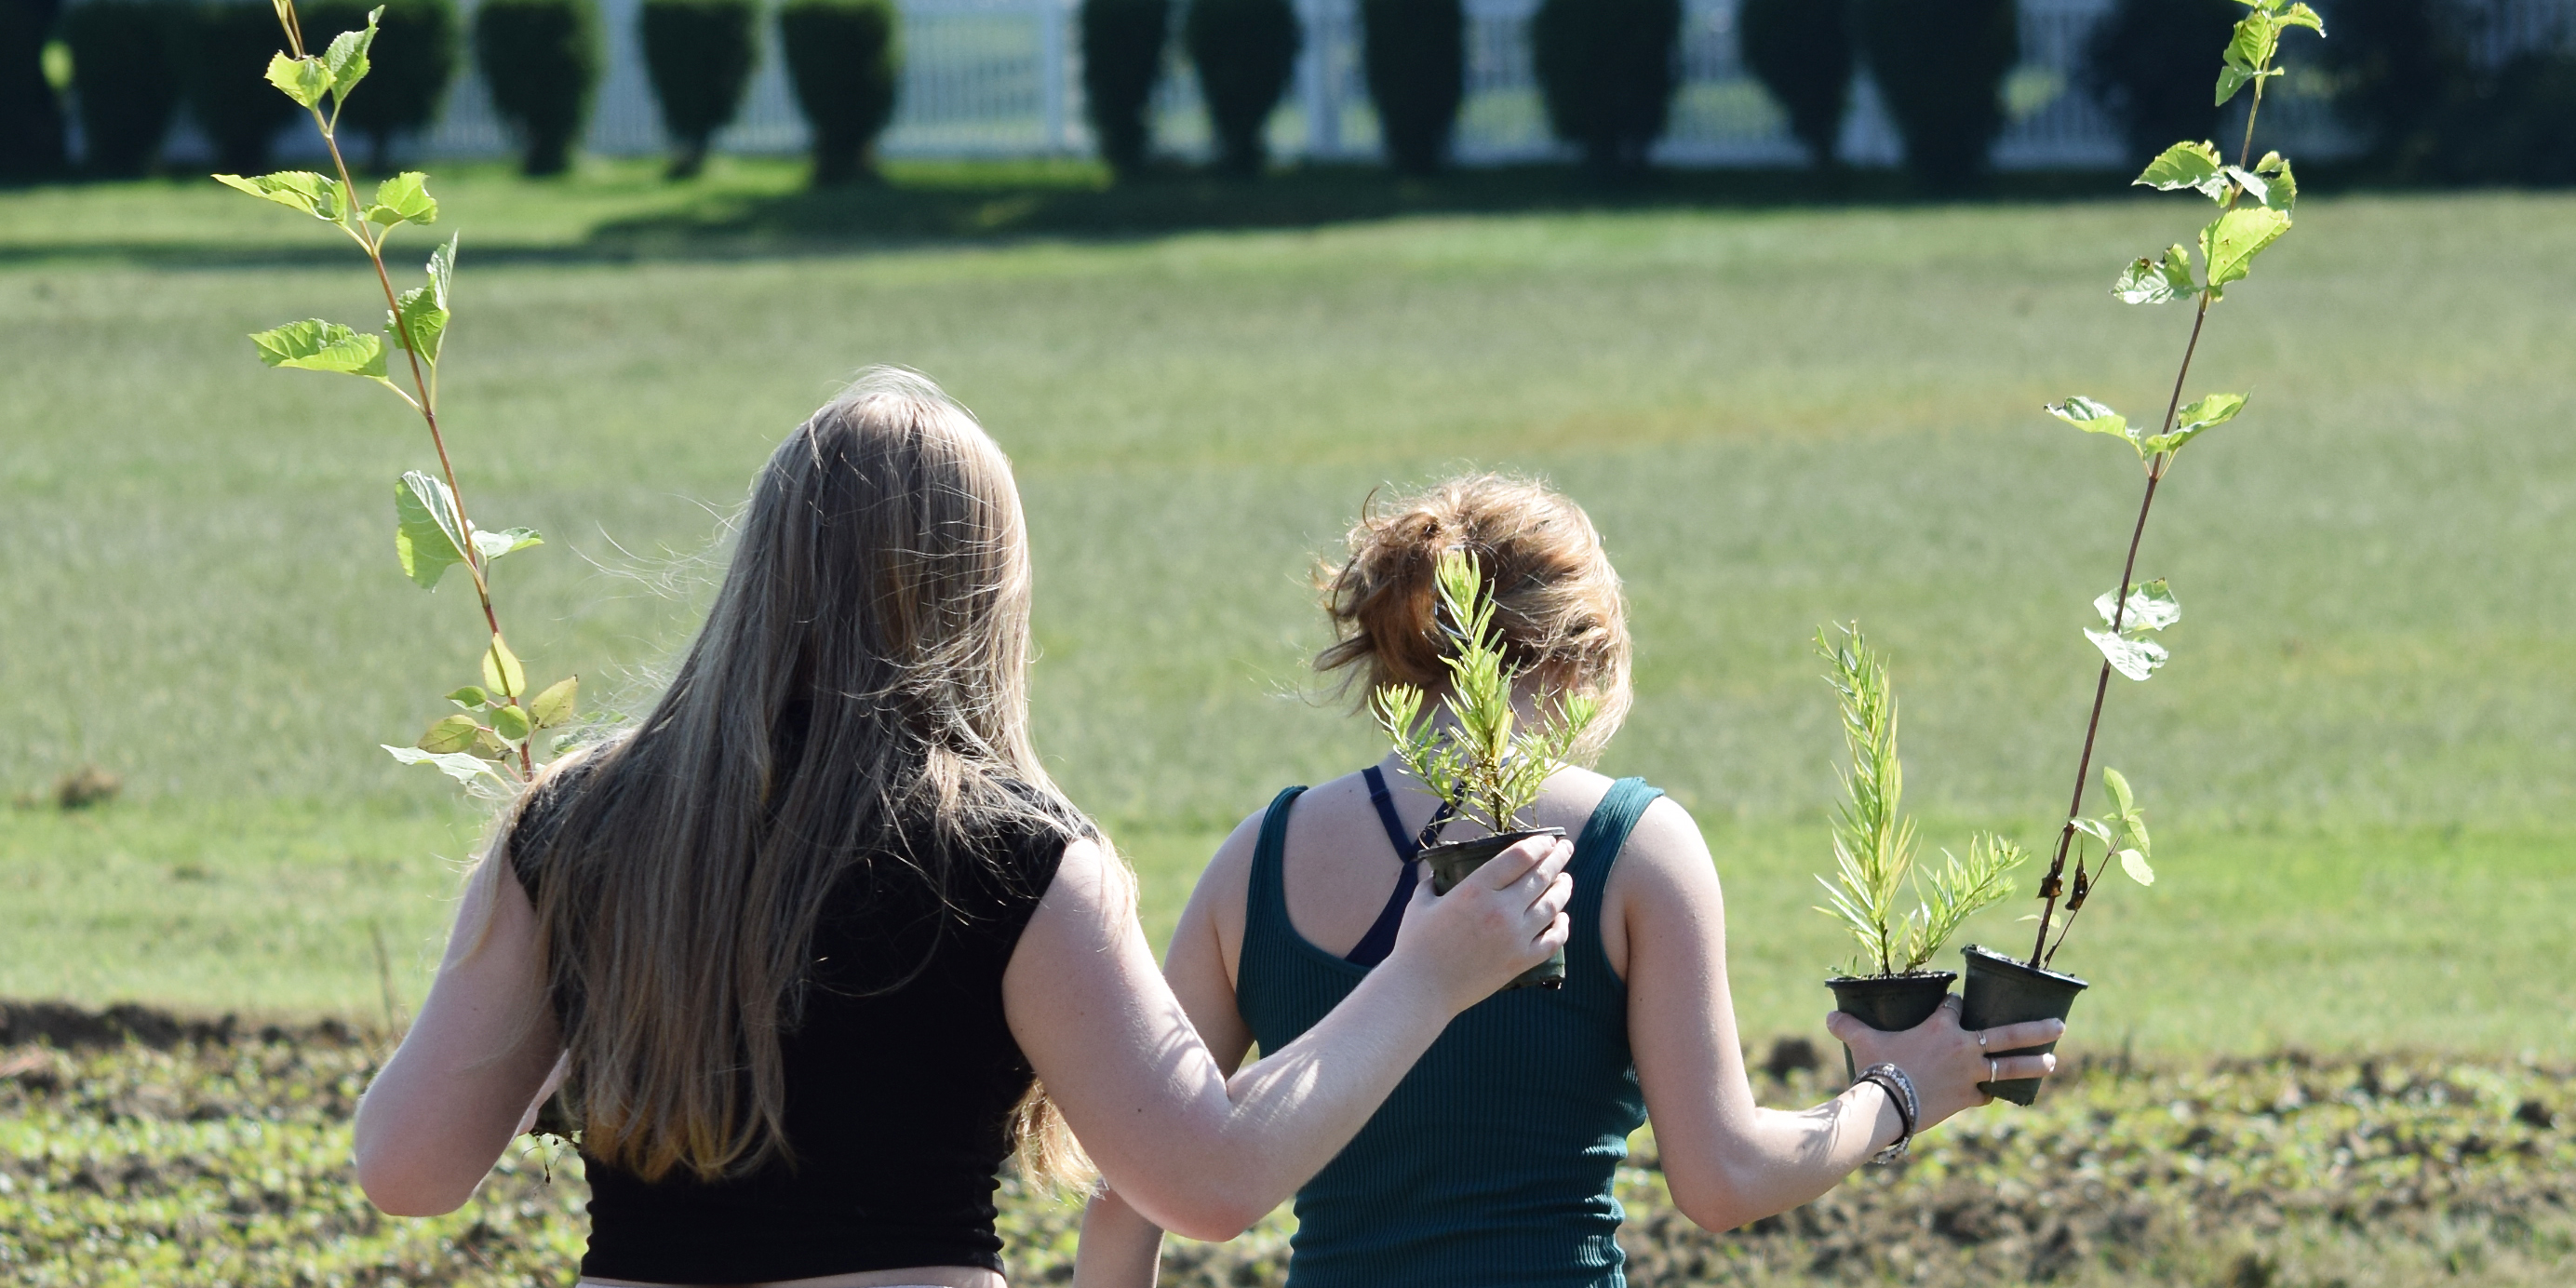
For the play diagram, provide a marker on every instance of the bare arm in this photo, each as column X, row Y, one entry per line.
column 438, row 1116
column 1120, row 1248
column 1728, row 1161
column 1199, row 1153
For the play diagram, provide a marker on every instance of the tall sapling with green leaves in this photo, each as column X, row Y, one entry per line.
column 2254, row 199
column 491, row 739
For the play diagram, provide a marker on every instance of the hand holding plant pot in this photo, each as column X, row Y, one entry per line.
column 1479, row 760
column 1886, row 987
column 1501, row 921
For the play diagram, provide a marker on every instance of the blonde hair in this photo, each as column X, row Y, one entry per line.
column 1557, row 600
column 878, row 597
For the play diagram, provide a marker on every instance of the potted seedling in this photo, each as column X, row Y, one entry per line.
column 2254, row 200
column 1885, row 986
column 1481, row 759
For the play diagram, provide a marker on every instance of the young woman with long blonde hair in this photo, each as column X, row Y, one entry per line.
column 1490, row 1165
column 804, row 942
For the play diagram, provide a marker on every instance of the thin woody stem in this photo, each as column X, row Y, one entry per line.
column 429, row 415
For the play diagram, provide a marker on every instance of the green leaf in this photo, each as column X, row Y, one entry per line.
column 304, row 79
column 427, row 532
column 2135, row 864
column 470, row 697
column 346, row 59
column 555, row 706
column 2137, row 826
column 2120, row 795
column 2094, row 418
column 2158, row 281
column 2251, row 182
column 501, row 670
column 2152, row 607
column 2283, row 191
column 2257, row 36
column 403, row 199
column 296, row 189
column 2185, row 165
column 2134, row 658
column 461, row 766
column 316, row 345
column 489, row 746
column 2208, row 413
column 2231, row 78
column 2095, row 828
column 511, row 723
column 455, row 733
column 493, row 545
column 2299, row 15
column 2230, row 243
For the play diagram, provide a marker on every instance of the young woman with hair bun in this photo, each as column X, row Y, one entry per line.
column 813, row 944
column 1490, row 1165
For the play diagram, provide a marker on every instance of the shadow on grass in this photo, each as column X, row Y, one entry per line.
column 762, row 208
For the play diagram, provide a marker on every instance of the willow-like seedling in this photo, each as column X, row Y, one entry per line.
column 1480, row 760
column 1874, row 857
column 491, row 738
column 2254, row 200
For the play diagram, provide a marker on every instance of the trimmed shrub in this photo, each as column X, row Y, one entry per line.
column 125, row 79
column 2401, row 67
column 846, row 62
column 2149, row 67
column 31, row 113
column 1415, row 52
column 1122, row 58
column 408, row 68
column 1607, row 69
column 1940, row 66
column 541, row 61
column 699, row 53
column 228, row 89
column 1801, row 51
column 1244, row 51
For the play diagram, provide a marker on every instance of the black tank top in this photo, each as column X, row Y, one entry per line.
column 898, row 1100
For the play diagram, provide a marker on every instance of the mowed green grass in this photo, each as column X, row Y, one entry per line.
column 2360, row 761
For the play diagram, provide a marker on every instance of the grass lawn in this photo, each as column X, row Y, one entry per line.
column 1779, row 414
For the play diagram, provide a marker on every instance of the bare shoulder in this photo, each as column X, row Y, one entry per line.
column 1664, row 884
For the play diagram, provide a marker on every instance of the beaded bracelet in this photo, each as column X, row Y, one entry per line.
column 1909, row 1109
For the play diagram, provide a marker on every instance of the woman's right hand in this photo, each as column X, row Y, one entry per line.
column 1505, row 918
column 1947, row 1062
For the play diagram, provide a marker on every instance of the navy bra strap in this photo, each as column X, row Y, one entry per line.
column 1380, row 939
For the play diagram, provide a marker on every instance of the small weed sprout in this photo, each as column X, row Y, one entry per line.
column 491, row 738
column 2254, row 200
column 1481, row 762
column 1874, row 841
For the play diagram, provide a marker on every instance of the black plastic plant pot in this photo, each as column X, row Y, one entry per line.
column 2004, row 990
column 1452, row 861
column 1889, row 1003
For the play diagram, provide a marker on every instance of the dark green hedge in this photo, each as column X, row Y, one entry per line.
column 846, row 62
column 1940, row 67
column 228, row 89
column 31, row 115
column 2151, row 64
column 1122, row 59
column 1801, row 51
column 1415, row 53
column 541, row 60
column 1244, row 51
column 410, row 66
column 699, row 54
column 1608, row 70
column 126, row 63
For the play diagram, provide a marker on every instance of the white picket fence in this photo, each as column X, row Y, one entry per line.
column 1002, row 78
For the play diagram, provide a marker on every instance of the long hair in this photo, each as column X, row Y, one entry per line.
column 857, row 697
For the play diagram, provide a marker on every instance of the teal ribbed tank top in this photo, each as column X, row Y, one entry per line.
column 1490, row 1165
